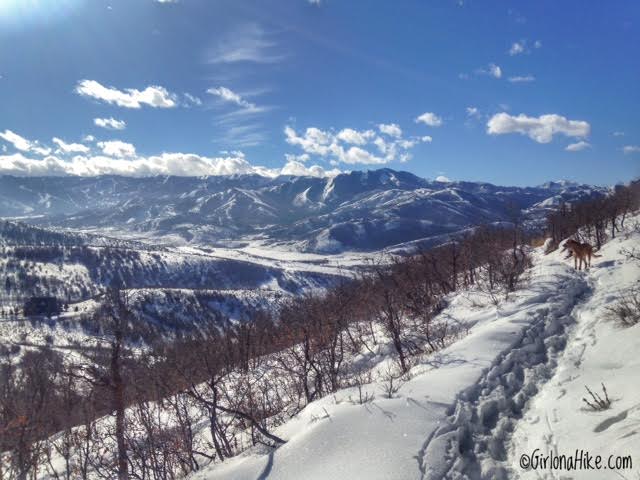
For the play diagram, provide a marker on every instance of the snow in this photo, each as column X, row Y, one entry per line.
column 514, row 383
column 599, row 351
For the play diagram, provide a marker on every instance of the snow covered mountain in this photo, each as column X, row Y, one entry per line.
column 352, row 211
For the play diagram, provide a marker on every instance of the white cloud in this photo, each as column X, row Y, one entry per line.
column 179, row 164
column 522, row 79
column 298, row 169
column 314, row 141
column 65, row 148
column 116, row 148
column 492, row 70
column 302, row 158
column 429, row 118
column 355, row 147
column 22, row 144
column 443, row 179
column 248, row 43
column 349, row 135
column 357, row 155
column 618, row 134
column 89, row 138
column 495, row 70
column 18, row 142
column 153, row 96
column 391, row 129
column 517, row 48
column 230, row 96
column 541, row 129
column 628, row 149
column 110, row 123
column 578, row 146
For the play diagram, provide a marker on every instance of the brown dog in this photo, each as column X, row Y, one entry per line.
column 580, row 251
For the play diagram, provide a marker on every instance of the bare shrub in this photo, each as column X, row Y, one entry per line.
column 626, row 310
column 392, row 377
column 598, row 403
column 360, row 380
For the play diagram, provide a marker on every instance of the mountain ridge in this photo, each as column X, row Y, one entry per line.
column 359, row 210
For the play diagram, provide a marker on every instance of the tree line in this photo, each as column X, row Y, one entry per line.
column 594, row 221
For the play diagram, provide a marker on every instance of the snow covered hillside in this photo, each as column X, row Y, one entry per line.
column 514, row 383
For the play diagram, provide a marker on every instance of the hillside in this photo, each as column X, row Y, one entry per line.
column 514, row 383
column 175, row 289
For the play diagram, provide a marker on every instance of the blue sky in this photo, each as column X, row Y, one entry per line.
column 510, row 92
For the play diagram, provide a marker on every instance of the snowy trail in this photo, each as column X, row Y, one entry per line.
column 598, row 351
column 474, row 439
column 452, row 418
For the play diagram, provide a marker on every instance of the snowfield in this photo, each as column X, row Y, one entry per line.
column 514, row 383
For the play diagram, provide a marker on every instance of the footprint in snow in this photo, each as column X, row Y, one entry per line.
column 533, row 419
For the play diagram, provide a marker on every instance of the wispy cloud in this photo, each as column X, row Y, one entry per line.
column 192, row 100
column 239, row 134
column 240, row 127
column 228, row 95
column 522, row 79
column 247, row 43
column 472, row 112
column 153, row 96
column 578, row 146
column 629, row 149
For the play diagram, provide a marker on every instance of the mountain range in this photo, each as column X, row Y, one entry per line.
column 357, row 211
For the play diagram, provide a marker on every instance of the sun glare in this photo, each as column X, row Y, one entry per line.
column 28, row 11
